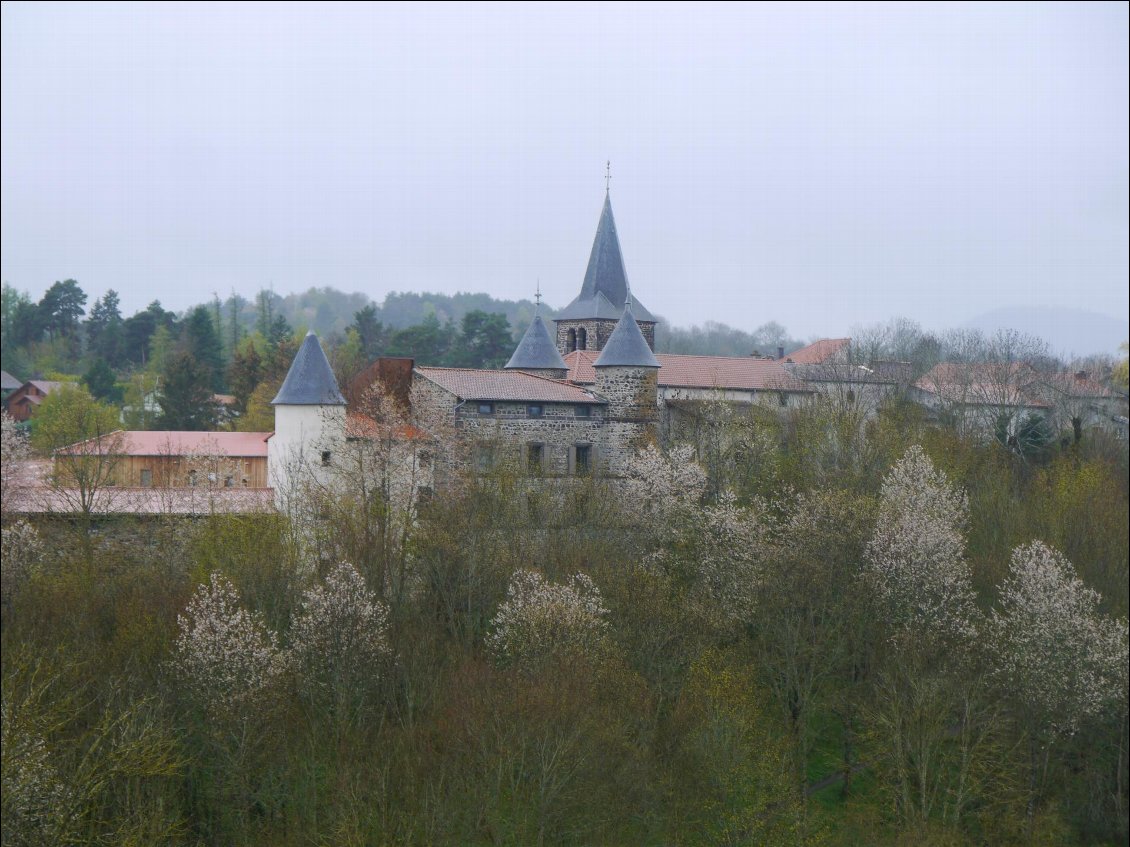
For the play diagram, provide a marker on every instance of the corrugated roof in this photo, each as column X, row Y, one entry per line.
column 310, row 380
column 176, row 443
column 468, row 384
column 680, row 371
column 536, row 349
column 605, row 288
column 818, row 352
column 626, row 346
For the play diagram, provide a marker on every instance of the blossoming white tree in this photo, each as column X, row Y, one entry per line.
column 1061, row 657
column 539, row 620
column 915, row 562
column 224, row 655
column 658, row 485
column 339, row 640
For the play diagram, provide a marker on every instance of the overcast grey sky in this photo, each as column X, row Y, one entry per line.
column 815, row 165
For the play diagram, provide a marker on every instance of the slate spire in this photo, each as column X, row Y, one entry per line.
column 626, row 346
column 310, row 380
column 605, row 289
column 537, row 350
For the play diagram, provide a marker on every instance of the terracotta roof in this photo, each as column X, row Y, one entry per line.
column 469, row 384
column 1077, row 385
column 682, row 371
column 818, row 352
column 983, row 384
column 179, row 443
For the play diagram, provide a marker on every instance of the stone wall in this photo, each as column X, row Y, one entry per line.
column 632, row 393
column 598, row 331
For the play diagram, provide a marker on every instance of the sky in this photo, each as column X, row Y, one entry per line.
column 816, row 165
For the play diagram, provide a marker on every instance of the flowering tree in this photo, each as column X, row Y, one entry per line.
column 660, row 485
column 539, row 620
column 14, row 453
column 915, row 562
column 20, row 552
column 1063, row 660
column 339, row 640
column 224, row 655
column 35, row 800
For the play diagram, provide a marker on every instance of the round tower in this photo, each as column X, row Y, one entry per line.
column 309, row 422
column 627, row 374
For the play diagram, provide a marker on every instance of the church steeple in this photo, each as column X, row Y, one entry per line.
column 588, row 321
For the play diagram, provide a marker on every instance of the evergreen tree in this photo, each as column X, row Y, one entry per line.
column 427, row 342
column 370, row 332
column 104, row 335
column 485, row 342
column 186, row 394
column 101, row 382
column 244, row 372
column 199, row 339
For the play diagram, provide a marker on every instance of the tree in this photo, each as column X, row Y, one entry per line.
column 104, row 329
column 101, row 382
column 61, row 307
column 485, row 341
column 428, row 342
column 244, row 372
column 186, row 394
column 200, row 340
column 370, row 332
column 138, row 331
column 83, row 437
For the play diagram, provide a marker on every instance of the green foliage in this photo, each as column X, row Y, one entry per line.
column 100, row 381
column 68, row 415
column 186, row 394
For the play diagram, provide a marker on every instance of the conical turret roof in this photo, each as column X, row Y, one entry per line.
column 605, row 289
column 537, row 349
column 310, row 380
column 626, row 346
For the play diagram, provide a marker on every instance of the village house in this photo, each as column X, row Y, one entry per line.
column 22, row 402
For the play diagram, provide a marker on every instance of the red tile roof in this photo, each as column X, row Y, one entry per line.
column 180, row 443
column 471, row 384
column 682, row 371
column 818, row 352
column 984, row 384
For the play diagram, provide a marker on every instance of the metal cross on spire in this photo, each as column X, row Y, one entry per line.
column 607, row 175
column 537, row 297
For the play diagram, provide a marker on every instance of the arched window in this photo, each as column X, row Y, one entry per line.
column 582, row 339
column 572, row 340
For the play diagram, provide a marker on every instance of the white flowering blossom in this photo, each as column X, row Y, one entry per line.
column 539, row 619
column 1055, row 650
column 915, row 561
column 223, row 654
column 20, row 551
column 340, row 636
column 658, row 485
column 34, row 797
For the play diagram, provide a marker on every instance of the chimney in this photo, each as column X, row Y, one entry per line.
column 1081, row 375
column 780, row 352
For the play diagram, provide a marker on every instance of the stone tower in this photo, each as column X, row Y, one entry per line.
column 627, row 374
column 309, row 422
column 537, row 354
column 588, row 322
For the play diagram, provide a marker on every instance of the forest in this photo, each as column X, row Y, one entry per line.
column 801, row 627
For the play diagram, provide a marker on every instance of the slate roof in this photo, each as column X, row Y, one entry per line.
column 468, row 384
column 8, row 382
column 537, row 349
column 605, row 288
column 679, row 371
column 310, row 380
column 626, row 346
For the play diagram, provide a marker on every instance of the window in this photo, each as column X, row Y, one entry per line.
column 583, row 463
column 483, row 458
column 327, row 457
column 535, row 410
column 192, row 477
column 534, row 455
column 229, row 481
column 583, row 411
column 146, row 478
column 486, row 408
column 572, row 343
column 782, row 398
column 582, row 339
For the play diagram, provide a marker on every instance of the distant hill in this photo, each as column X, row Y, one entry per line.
column 1070, row 332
